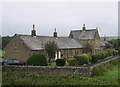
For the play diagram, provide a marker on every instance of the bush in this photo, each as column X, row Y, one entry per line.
column 37, row 60
column 60, row 62
column 96, row 57
column 83, row 59
column 115, row 52
column 118, row 48
column 104, row 54
column 109, row 52
column 72, row 62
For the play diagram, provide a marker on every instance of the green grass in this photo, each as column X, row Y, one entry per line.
column 13, row 78
column 1, row 53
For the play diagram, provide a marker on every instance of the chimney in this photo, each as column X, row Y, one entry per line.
column 84, row 28
column 55, row 33
column 33, row 32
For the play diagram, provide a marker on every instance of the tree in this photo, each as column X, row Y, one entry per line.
column 5, row 41
column 37, row 60
column 51, row 48
column 116, row 44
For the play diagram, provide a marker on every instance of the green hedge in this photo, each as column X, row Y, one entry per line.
column 95, row 58
column 115, row 52
column 37, row 60
column 83, row 58
column 103, row 54
column 60, row 62
column 72, row 62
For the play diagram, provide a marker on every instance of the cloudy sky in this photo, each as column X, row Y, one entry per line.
column 64, row 16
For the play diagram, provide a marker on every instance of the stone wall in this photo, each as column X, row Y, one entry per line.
column 45, row 70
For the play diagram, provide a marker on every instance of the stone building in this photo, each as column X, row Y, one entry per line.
column 21, row 47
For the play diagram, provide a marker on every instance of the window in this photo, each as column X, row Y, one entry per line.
column 71, row 53
column 64, row 52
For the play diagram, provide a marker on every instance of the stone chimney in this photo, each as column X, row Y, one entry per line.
column 33, row 32
column 84, row 28
column 55, row 33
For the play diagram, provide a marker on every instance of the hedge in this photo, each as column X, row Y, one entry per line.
column 115, row 52
column 37, row 60
column 83, row 58
column 60, row 62
column 72, row 62
column 95, row 58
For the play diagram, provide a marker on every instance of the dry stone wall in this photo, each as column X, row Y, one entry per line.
column 45, row 70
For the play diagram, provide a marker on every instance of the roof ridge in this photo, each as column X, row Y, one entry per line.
column 84, row 30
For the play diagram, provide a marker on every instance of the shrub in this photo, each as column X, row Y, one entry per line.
column 109, row 52
column 104, row 54
column 37, row 60
column 72, row 62
column 115, row 52
column 118, row 48
column 96, row 57
column 60, row 62
column 83, row 59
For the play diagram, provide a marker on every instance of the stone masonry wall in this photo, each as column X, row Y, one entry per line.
column 45, row 70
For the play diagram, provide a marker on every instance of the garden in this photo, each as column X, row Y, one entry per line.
column 78, row 60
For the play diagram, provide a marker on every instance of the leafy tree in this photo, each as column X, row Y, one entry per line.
column 51, row 48
column 115, row 42
column 5, row 40
column 37, row 60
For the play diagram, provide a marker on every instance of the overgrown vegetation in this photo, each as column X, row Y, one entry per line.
column 37, row 60
column 104, row 54
column 116, row 44
column 101, row 69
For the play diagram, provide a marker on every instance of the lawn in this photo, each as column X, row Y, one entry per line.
column 108, row 78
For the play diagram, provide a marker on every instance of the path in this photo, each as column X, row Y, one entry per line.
column 103, row 61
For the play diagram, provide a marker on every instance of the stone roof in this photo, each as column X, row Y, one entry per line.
column 83, row 34
column 102, row 43
column 38, row 42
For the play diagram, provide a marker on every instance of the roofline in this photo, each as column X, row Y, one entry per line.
column 60, row 49
column 40, row 36
column 84, row 30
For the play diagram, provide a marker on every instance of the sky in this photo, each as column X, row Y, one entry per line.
column 18, row 17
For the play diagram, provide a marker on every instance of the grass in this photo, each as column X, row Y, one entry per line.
column 1, row 53
column 13, row 78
